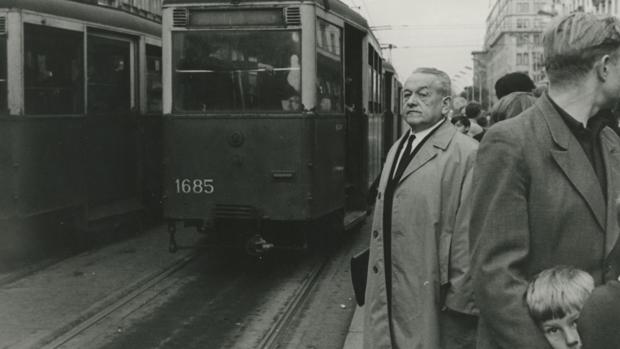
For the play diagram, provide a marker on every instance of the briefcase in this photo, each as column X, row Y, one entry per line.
column 359, row 273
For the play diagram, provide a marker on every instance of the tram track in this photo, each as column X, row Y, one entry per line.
column 271, row 339
column 280, row 287
column 112, row 303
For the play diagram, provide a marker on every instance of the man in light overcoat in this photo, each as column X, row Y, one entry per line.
column 546, row 183
column 419, row 250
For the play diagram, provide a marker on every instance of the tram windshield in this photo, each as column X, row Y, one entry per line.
column 236, row 71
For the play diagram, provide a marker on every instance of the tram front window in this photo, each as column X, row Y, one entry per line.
column 236, row 71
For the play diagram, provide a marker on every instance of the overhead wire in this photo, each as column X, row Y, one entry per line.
column 463, row 26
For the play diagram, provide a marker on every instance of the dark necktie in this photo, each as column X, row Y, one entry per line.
column 405, row 158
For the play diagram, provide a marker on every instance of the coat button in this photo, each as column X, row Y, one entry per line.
column 375, row 234
column 375, row 269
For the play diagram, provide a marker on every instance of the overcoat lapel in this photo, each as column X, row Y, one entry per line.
column 571, row 158
column 438, row 141
column 611, row 157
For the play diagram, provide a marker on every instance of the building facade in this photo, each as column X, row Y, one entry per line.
column 480, row 91
column 513, row 42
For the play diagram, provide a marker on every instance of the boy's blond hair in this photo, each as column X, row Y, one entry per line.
column 558, row 291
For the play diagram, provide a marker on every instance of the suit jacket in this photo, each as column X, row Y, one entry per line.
column 537, row 203
column 427, row 251
column 599, row 318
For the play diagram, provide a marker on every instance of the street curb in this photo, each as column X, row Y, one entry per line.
column 108, row 301
column 355, row 337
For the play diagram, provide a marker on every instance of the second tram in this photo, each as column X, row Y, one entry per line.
column 80, row 106
column 274, row 111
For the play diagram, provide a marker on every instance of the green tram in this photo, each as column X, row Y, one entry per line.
column 273, row 119
column 80, row 113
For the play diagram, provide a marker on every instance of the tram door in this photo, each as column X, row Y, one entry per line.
column 356, row 120
column 111, row 129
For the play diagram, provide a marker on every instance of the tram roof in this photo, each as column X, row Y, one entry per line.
column 88, row 13
column 336, row 6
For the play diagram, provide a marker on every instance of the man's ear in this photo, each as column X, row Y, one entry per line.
column 446, row 105
column 602, row 67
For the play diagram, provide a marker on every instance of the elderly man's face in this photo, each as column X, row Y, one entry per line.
column 423, row 104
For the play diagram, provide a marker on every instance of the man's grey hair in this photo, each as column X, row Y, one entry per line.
column 445, row 87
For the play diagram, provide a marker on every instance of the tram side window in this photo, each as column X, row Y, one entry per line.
column 3, row 73
column 109, row 75
column 53, row 70
column 153, row 79
column 236, row 71
column 329, row 67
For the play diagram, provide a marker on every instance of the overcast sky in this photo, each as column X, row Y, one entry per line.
column 433, row 33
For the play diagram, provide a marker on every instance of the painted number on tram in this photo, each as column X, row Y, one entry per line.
column 194, row 186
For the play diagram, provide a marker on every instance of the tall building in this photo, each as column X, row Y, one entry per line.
column 513, row 41
column 611, row 7
column 480, row 91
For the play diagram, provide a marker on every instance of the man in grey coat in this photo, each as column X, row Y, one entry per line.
column 419, row 250
column 546, row 183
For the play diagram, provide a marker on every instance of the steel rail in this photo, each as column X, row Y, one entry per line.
column 124, row 296
column 270, row 340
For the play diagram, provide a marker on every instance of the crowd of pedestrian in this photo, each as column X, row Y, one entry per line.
column 500, row 228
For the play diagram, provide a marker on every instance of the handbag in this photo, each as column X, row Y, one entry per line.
column 359, row 274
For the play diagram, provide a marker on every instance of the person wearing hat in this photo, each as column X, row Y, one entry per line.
column 546, row 183
column 513, row 82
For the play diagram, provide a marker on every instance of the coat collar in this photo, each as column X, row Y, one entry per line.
column 439, row 140
column 571, row 158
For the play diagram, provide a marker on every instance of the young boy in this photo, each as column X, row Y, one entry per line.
column 555, row 298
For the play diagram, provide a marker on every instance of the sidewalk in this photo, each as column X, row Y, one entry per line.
column 38, row 308
column 355, row 338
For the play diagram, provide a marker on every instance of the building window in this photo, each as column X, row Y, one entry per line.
column 523, row 7
column 522, row 23
column 537, row 61
column 537, row 39
column 522, row 39
column 539, row 6
column 53, row 76
column 538, row 23
column 523, row 59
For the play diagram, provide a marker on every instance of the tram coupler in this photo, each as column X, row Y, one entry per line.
column 172, row 244
column 256, row 245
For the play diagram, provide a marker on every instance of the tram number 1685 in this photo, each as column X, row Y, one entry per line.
column 194, row 186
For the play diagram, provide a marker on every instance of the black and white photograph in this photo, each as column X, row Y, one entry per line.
column 310, row 174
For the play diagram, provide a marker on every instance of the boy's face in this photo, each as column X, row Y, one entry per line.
column 562, row 333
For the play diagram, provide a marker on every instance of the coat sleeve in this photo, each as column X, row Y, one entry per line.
column 460, row 294
column 500, row 235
